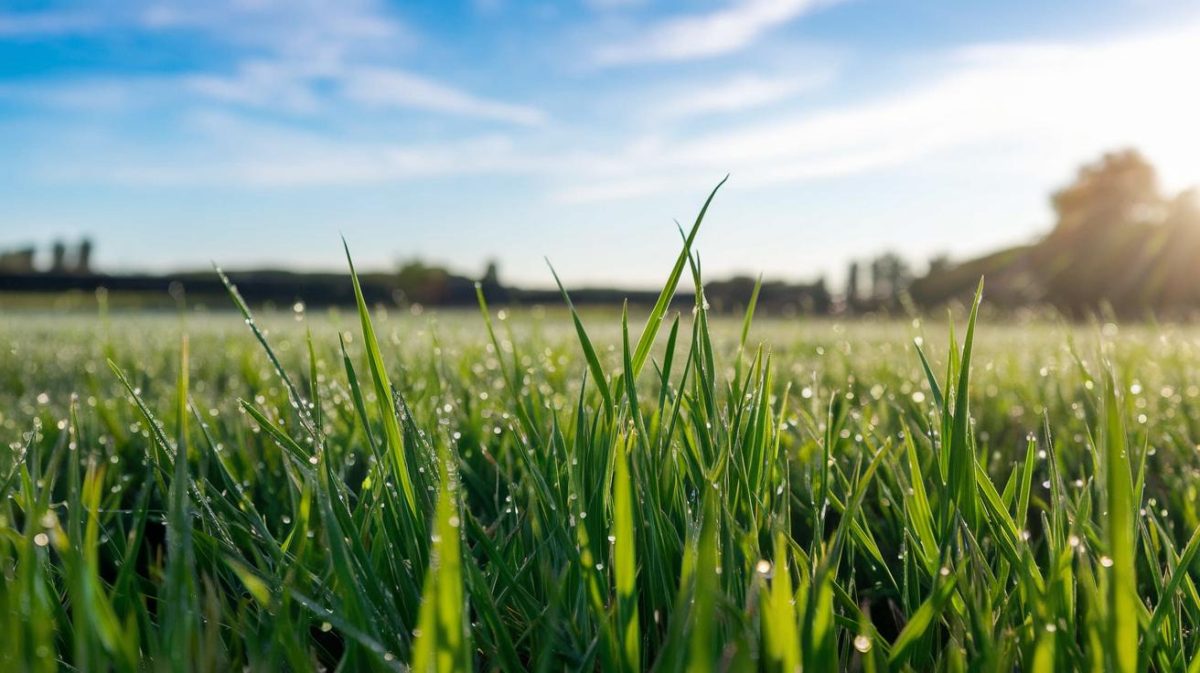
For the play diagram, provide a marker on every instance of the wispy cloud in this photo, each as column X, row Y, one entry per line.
column 396, row 88
column 698, row 36
column 231, row 151
column 308, row 28
column 49, row 22
column 300, row 29
column 736, row 94
column 312, row 121
column 311, row 87
column 1051, row 101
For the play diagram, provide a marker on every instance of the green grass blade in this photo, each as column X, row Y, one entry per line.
column 1123, row 603
column 383, row 391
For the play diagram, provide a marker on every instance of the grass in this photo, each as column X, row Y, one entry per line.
column 592, row 492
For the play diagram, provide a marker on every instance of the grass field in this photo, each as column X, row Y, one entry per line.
column 375, row 491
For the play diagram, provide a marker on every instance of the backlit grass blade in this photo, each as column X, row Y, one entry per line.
column 1123, row 603
column 625, row 564
column 589, row 352
column 919, row 511
column 1171, row 589
column 921, row 621
column 703, row 646
column 442, row 640
column 383, row 391
column 961, row 470
column 179, row 609
column 654, row 321
column 938, row 400
column 780, row 629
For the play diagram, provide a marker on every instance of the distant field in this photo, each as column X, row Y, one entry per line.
column 805, row 499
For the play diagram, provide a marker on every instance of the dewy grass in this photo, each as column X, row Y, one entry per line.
column 559, row 492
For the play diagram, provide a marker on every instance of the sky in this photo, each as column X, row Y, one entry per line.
column 256, row 132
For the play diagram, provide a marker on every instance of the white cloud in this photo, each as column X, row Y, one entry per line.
column 31, row 24
column 329, row 89
column 266, row 84
column 296, row 28
column 705, row 35
column 736, row 94
column 1029, row 107
column 1039, row 106
column 395, row 88
column 229, row 150
column 309, row 87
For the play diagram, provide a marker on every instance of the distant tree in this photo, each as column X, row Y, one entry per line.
column 492, row 288
column 1102, row 250
column 491, row 275
column 1118, row 242
column 17, row 261
column 1119, row 189
column 421, row 283
column 852, row 295
column 890, row 277
column 939, row 263
column 58, row 263
column 84, row 263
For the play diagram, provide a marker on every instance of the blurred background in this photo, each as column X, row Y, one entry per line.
column 883, row 155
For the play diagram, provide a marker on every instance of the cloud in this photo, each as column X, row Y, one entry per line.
column 264, row 84
column 378, row 87
column 318, row 56
column 704, row 35
column 314, row 89
column 1029, row 107
column 299, row 28
column 739, row 93
column 1034, row 106
column 229, row 150
column 36, row 24
column 232, row 150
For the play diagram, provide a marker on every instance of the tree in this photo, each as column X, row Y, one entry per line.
column 492, row 288
column 1119, row 189
column 890, row 277
column 422, row 283
column 84, row 263
column 59, row 262
column 852, row 285
column 1099, row 251
column 939, row 263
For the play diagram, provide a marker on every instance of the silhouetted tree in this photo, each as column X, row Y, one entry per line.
column 890, row 276
column 1118, row 241
column 491, row 275
column 852, row 295
column 421, row 283
column 17, row 261
column 58, row 263
column 84, row 263
column 1098, row 251
column 939, row 263
column 1120, row 188
column 492, row 288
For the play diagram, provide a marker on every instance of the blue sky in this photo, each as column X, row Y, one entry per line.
column 253, row 132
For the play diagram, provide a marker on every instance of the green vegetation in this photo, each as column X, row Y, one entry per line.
column 522, row 492
column 1119, row 243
